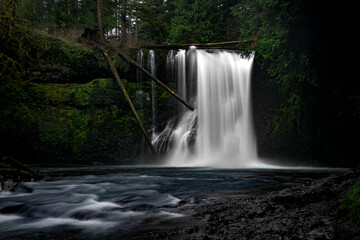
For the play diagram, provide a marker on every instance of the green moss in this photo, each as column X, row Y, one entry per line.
column 53, row 134
column 78, row 122
column 65, row 61
column 80, row 96
column 129, row 124
column 83, row 123
column 165, row 95
column 51, row 93
column 99, row 92
column 350, row 204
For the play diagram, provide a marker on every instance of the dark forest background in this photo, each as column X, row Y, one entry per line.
column 60, row 105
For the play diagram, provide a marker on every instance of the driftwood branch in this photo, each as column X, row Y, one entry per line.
column 153, row 78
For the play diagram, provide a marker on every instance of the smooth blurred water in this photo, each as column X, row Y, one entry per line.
column 219, row 133
column 99, row 202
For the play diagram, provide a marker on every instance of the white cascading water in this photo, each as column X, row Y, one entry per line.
column 140, row 94
column 140, row 61
column 170, row 66
column 219, row 133
column 180, row 59
column 152, row 69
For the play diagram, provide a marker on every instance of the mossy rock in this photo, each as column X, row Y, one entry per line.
column 74, row 124
column 350, row 204
column 66, row 62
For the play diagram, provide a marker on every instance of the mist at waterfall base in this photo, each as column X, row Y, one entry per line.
column 219, row 133
column 112, row 202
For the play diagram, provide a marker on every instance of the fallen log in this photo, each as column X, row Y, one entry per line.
column 21, row 167
column 186, row 45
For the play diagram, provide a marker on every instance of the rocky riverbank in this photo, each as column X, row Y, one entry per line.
column 306, row 211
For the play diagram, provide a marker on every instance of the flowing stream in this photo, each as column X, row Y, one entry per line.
column 111, row 202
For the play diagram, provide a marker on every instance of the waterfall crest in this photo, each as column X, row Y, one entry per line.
column 219, row 133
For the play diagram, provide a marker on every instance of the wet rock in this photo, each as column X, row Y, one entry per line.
column 305, row 211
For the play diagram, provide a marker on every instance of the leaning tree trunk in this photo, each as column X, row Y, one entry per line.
column 100, row 23
column 123, row 23
column 126, row 95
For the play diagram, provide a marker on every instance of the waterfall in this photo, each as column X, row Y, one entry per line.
column 219, row 132
column 181, row 76
column 140, row 94
column 152, row 69
column 140, row 61
column 225, row 132
column 170, row 66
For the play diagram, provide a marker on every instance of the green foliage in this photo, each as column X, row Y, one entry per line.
column 199, row 21
column 289, row 116
column 246, row 17
column 350, row 204
column 154, row 18
column 282, row 46
column 58, row 14
column 18, row 49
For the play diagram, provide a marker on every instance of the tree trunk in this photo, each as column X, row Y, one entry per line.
column 76, row 13
column 123, row 23
column 101, row 29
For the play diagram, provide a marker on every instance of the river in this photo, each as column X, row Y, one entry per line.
column 117, row 201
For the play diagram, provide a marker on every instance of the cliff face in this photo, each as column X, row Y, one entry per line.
column 83, row 123
column 73, row 112
column 273, row 141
